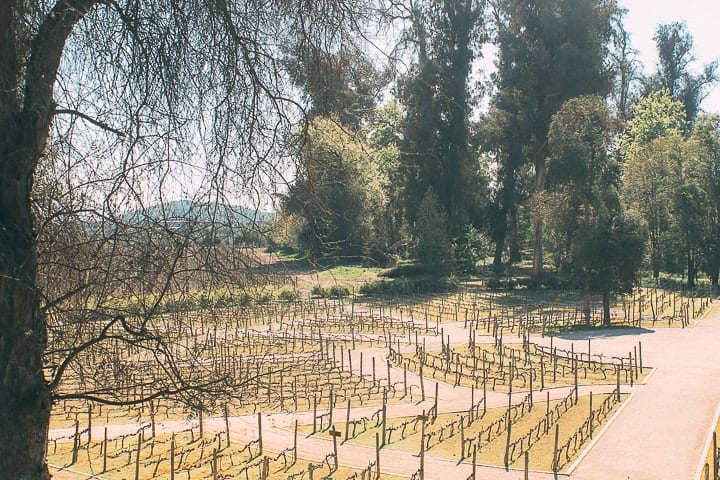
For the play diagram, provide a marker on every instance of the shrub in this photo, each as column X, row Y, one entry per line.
column 318, row 292
column 288, row 296
column 264, row 298
column 338, row 291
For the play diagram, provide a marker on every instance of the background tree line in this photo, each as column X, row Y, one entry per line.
column 578, row 157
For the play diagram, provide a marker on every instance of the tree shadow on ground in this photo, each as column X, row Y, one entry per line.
column 607, row 332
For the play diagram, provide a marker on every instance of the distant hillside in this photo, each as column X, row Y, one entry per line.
column 185, row 211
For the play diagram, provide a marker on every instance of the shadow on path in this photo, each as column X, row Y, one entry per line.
column 603, row 333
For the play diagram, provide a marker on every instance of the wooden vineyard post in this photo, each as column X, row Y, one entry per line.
column 405, row 385
column 640, row 354
column 377, row 456
column 227, row 424
column 636, row 363
column 265, row 471
column 361, row 364
column 422, row 381
column 330, row 415
column 347, row 421
column 555, row 466
column 435, row 413
column 472, row 406
column 384, row 424
column 531, row 389
column 104, row 449
column 423, row 418
column 484, row 388
column 388, row 375
column 474, row 462
column 715, row 457
column 76, row 442
column 618, row 383
column 295, row 453
column 575, row 362
column 591, row 416
column 373, row 367
column 527, row 464
column 214, row 464
column 335, row 434
column 137, row 456
column 260, row 438
column 547, row 413
column 172, row 457
column 507, row 441
column 90, row 423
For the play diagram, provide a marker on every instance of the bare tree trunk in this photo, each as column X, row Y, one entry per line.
column 606, row 308
column 691, row 270
column 587, row 303
column 537, row 220
column 499, row 247
column 514, row 235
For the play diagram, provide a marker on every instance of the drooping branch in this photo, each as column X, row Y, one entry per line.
column 90, row 119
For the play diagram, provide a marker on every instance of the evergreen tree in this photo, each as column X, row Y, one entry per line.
column 435, row 95
column 549, row 51
column 431, row 245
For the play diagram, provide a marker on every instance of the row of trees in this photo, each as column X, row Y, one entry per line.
column 578, row 156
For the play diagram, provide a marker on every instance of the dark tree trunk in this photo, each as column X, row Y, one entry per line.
column 24, row 394
column 499, row 247
column 587, row 304
column 514, row 235
column 691, row 270
column 26, row 111
column 654, row 255
column 606, row 308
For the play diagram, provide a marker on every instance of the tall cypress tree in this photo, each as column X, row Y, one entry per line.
column 436, row 97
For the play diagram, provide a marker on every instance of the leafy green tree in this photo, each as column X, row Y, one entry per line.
column 582, row 172
column 383, row 134
column 608, row 254
column 707, row 171
column 549, row 52
column 650, row 178
column 337, row 192
column 655, row 115
column 690, row 211
column 674, row 46
column 511, row 185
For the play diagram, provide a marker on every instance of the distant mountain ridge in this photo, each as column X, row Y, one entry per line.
column 189, row 211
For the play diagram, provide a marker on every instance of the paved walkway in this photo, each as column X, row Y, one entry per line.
column 659, row 434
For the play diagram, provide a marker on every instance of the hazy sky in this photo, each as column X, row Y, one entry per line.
column 702, row 18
